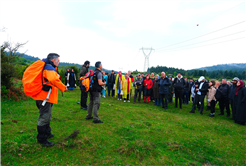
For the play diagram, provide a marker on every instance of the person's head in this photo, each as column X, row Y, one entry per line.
column 240, row 83
column 55, row 58
column 98, row 65
column 235, row 80
column 191, row 79
column 156, row 77
column 212, row 83
column 170, row 78
column 87, row 64
column 224, row 81
column 120, row 73
column 103, row 72
column 147, row 76
column 72, row 70
column 106, row 74
column 126, row 75
column 129, row 73
column 185, row 78
column 179, row 74
column 112, row 72
column 139, row 75
column 67, row 70
column 201, row 79
column 142, row 74
column 152, row 75
column 163, row 74
column 217, row 84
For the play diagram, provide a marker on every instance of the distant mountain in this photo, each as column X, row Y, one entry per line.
column 223, row 67
column 61, row 64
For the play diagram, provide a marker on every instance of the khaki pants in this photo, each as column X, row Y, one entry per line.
column 94, row 105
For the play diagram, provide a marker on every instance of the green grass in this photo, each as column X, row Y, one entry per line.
column 132, row 134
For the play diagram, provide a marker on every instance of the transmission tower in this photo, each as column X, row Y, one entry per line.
column 146, row 61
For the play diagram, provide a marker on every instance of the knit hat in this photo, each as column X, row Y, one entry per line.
column 201, row 78
column 235, row 79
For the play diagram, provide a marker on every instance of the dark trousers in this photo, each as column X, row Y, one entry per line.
column 162, row 97
column 152, row 94
column 224, row 102
column 111, row 88
column 198, row 98
column 43, row 126
column 137, row 93
column 178, row 95
column 127, row 97
column 83, row 99
column 233, row 110
column 212, row 106
column 189, row 94
column 186, row 97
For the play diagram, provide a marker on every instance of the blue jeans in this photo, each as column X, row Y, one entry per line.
column 110, row 87
column 158, row 101
column 185, row 97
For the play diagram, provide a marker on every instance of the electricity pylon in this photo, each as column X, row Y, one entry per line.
column 146, row 61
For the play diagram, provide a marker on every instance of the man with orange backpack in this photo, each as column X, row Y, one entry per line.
column 50, row 81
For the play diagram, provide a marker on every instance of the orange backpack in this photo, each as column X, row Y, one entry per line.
column 33, row 78
column 85, row 83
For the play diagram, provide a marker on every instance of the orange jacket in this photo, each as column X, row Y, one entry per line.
column 51, row 75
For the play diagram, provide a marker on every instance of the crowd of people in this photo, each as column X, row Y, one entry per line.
column 162, row 89
column 158, row 89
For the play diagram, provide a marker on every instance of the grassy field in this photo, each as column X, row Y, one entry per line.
column 132, row 134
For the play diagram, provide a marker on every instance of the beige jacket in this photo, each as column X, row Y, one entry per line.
column 211, row 93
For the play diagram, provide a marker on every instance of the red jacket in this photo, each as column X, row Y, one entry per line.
column 149, row 83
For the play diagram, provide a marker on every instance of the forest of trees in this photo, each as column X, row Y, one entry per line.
column 215, row 74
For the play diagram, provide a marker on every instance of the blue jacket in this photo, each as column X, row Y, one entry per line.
column 164, row 85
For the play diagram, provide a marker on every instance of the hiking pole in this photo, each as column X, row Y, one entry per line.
column 47, row 98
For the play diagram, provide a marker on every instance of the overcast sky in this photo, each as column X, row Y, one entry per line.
column 113, row 32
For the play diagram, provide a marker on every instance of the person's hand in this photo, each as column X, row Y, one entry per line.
column 196, row 85
column 135, row 83
column 66, row 90
column 140, row 83
column 197, row 89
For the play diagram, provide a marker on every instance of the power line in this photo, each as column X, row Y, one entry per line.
column 206, row 40
column 209, row 44
column 222, row 13
column 202, row 35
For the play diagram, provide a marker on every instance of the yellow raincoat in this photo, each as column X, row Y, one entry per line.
column 123, row 86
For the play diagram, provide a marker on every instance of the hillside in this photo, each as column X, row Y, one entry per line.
column 61, row 64
column 231, row 66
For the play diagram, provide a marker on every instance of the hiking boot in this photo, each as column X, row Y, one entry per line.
column 83, row 108
column 97, row 121
column 134, row 102
column 89, row 118
column 47, row 143
column 50, row 136
column 78, row 102
column 192, row 112
column 139, row 102
column 211, row 115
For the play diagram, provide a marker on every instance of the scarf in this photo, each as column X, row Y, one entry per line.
column 239, row 87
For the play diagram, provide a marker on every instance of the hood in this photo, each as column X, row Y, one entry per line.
column 49, row 62
column 180, row 77
column 147, row 75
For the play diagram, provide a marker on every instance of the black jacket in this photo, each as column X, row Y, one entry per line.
column 240, row 102
column 233, row 89
column 225, row 89
column 204, row 88
column 190, row 85
column 179, row 84
column 186, row 86
column 111, row 79
column 164, row 85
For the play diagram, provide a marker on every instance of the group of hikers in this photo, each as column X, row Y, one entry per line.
column 158, row 89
